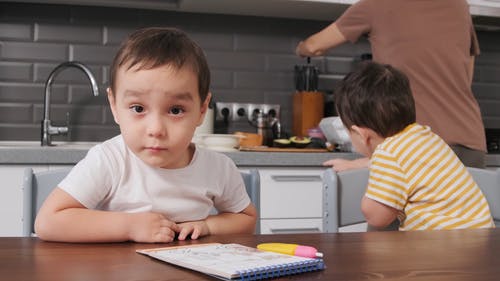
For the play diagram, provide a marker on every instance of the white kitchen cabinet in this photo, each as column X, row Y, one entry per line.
column 489, row 8
column 327, row 10
column 300, row 9
column 11, row 201
column 291, row 200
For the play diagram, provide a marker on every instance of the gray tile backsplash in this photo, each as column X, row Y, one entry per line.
column 68, row 33
column 16, row 71
column 33, row 51
column 16, row 31
column 251, row 59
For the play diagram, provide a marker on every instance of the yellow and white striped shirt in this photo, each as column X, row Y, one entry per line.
column 417, row 173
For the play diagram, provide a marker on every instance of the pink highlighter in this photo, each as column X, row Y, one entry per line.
column 291, row 249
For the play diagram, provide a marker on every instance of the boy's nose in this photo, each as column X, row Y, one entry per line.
column 156, row 127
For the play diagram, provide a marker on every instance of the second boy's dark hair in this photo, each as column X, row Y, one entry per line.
column 376, row 96
column 157, row 46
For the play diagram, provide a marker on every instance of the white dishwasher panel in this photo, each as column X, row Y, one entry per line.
column 290, row 193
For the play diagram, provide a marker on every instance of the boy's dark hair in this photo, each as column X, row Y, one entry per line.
column 156, row 46
column 377, row 97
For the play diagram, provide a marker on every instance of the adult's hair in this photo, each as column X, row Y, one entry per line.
column 152, row 47
column 376, row 96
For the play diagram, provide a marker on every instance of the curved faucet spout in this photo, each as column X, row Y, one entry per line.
column 47, row 129
column 56, row 71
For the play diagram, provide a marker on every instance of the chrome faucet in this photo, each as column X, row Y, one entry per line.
column 47, row 129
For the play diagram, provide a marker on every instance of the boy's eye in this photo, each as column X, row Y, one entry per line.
column 176, row 110
column 137, row 108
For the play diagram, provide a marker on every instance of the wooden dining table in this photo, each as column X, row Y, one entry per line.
column 419, row 255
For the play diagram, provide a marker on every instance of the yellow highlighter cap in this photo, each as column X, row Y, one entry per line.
column 290, row 249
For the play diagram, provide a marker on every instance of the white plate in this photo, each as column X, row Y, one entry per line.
column 221, row 148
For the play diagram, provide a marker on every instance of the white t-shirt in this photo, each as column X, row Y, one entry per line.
column 113, row 178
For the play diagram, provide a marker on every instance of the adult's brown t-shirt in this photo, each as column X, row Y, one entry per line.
column 434, row 43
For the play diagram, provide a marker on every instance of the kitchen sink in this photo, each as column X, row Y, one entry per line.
column 56, row 144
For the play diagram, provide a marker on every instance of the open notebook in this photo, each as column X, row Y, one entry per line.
column 234, row 261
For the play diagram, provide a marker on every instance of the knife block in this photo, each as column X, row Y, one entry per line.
column 307, row 111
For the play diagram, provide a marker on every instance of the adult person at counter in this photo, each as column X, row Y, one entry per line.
column 434, row 44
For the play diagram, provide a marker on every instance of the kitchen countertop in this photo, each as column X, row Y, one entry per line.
column 71, row 155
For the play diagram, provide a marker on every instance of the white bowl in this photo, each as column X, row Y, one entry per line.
column 336, row 133
column 220, row 142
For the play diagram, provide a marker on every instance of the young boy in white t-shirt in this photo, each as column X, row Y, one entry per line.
column 151, row 183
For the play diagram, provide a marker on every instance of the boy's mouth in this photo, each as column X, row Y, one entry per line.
column 155, row 148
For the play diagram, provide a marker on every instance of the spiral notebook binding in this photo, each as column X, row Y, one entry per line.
column 268, row 272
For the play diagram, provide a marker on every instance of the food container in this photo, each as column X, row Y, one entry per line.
column 316, row 133
column 249, row 139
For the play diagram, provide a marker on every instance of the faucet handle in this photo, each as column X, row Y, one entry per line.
column 63, row 130
column 59, row 130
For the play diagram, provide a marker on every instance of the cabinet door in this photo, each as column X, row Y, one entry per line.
column 291, row 193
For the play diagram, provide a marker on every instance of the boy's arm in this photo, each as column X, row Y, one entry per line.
column 226, row 223
column 377, row 214
column 317, row 44
column 63, row 218
column 223, row 223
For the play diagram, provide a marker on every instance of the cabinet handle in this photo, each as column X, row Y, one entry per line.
column 295, row 230
column 293, row 178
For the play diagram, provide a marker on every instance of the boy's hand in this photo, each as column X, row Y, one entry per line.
column 151, row 227
column 340, row 165
column 195, row 228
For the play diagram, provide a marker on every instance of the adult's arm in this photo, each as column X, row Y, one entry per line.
column 318, row 43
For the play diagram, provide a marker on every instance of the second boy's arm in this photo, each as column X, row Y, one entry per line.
column 64, row 219
column 223, row 223
column 339, row 164
column 377, row 214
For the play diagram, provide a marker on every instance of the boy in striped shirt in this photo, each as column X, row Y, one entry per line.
column 414, row 175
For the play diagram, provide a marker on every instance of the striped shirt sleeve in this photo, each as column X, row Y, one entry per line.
column 387, row 183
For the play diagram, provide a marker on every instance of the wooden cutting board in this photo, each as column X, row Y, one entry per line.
column 277, row 149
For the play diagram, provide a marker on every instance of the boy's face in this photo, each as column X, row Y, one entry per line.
column 158, row 111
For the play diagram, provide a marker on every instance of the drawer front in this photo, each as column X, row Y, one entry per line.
column 285, row 226
column 291, row 194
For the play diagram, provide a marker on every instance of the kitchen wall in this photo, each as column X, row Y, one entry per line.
column 251, row 59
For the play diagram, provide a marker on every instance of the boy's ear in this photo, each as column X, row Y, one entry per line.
column 365, row 133
column 112, row 104
column 204, row 108
column 368, row 136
